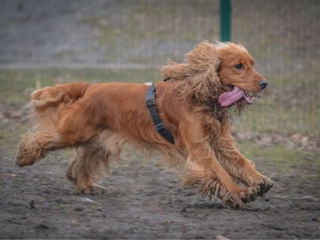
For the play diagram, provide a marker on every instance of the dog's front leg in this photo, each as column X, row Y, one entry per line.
column 238, row 165
column 203, row 168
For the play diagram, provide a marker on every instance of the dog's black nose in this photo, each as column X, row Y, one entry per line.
column 263, row 84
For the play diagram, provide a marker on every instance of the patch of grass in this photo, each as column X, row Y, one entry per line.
column 271, row 115
column 284, row 158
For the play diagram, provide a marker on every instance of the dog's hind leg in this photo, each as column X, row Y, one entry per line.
column 55, row 133
column 60, row 120
column 88, row 165
column 91, row 161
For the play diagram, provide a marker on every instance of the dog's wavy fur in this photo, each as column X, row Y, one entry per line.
column 97, row 119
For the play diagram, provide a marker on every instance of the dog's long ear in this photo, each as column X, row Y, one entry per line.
column 202, row 57
column 176, row 71
column 199, row 73
column 204, row 83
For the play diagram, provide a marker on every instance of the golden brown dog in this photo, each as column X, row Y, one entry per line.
column 98, row 119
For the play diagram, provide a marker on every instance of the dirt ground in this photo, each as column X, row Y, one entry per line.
column 146, row 200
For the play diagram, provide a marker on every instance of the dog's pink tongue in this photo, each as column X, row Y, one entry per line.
column 228, row 98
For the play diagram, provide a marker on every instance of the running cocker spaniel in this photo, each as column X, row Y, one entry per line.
column 187, row 121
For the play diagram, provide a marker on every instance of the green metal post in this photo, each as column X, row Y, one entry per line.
column 225, row 20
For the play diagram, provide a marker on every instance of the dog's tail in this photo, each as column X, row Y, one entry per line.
column 61, row 93
column 50, row 104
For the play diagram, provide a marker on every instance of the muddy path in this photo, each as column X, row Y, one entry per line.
column 145, row 200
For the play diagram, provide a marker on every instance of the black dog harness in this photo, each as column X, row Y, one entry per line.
column 152, row 106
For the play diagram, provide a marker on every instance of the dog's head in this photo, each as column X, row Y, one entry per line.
column 223, row 71
column 237, row 74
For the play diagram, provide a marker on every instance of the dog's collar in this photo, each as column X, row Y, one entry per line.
column 152, row 106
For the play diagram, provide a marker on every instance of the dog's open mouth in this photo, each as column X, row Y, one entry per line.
column 228, row 98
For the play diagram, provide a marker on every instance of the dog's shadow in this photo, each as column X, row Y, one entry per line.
column 220, row 206
column 203, row 206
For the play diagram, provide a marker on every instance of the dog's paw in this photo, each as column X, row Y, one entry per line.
column 239, row 199
column 22, row 162
column 234, row 201
column 25, row 157
column 249, row 195
column 28, row 152
column 264, row 186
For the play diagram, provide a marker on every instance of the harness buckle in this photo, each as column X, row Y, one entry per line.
column 161, row 128
column 151, row 102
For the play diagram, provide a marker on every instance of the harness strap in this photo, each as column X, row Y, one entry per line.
column 152, row 106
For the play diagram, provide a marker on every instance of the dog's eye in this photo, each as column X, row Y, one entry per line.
column 238, row 66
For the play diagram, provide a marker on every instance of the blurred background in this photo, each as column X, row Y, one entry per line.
column 47, row 42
